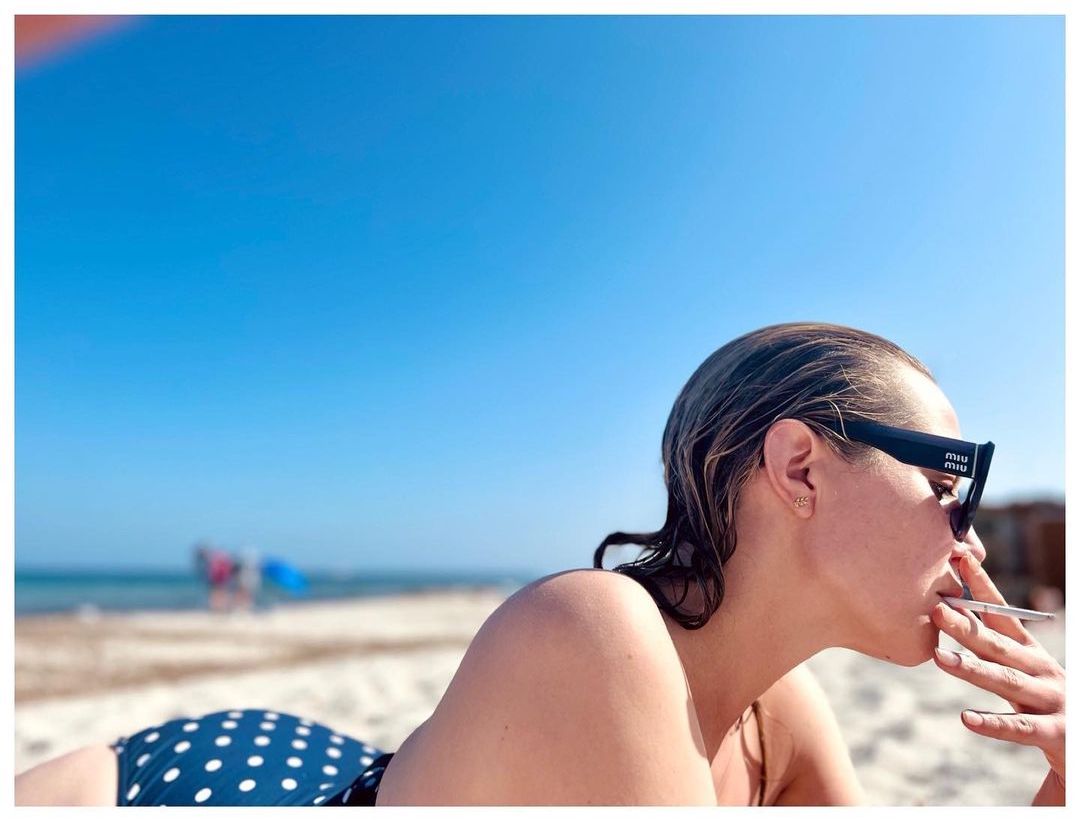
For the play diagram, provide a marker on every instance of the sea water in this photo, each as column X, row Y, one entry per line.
column 64, row 591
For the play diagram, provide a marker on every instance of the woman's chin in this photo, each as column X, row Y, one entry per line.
column 921, row 639
column 926, row 639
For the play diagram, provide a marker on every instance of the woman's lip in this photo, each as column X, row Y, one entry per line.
column 957, row 591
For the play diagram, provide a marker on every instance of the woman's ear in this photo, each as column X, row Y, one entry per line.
column 792, row 454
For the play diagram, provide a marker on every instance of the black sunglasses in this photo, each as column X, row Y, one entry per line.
column 956, row 457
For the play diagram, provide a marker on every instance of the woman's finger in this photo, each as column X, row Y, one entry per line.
column 1015, row 686
column 983, row 588
column 988, row 643
column 1021, row 728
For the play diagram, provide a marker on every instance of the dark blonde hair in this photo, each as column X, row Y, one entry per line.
column 713, row 441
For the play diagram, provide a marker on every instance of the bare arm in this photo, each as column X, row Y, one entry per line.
column 1051, row 793
column 83, row 777
column 821, row 769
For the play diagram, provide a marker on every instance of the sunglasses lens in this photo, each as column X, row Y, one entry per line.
column 963, row 512
column 957, row 519
column 963, row 489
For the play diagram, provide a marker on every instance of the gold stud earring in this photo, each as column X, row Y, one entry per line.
column 801, row 501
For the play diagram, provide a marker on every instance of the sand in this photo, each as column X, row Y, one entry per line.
column 376, row 668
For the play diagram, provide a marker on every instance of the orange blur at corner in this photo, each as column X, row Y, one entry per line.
column 41, row 36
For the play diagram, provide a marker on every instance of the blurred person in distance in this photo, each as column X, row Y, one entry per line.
column 247, row 570
column 215, row 568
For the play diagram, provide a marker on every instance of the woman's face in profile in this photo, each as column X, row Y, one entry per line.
column 895, row 549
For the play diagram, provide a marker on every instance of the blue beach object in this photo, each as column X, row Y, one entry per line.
column 284, row 575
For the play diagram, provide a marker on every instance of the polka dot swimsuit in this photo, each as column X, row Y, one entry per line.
column 246, row 757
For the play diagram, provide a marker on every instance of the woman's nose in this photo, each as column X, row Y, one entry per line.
column 971, row 544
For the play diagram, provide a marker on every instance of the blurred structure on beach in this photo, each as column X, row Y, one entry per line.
column 1025, row 551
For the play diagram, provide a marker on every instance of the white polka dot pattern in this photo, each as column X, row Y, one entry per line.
column 244, row 757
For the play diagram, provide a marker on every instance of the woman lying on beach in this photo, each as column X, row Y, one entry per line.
column 801, row 515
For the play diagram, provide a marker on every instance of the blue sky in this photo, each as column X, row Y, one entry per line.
column 419, row 292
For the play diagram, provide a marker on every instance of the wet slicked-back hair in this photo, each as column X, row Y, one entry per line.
column 713, row 442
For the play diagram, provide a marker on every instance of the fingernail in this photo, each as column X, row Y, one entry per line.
column 947, row 657
column 972, row 718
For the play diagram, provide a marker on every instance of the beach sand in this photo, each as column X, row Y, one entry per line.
column 375, row 669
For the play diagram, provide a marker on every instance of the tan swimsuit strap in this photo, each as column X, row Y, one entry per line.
column 761, row 741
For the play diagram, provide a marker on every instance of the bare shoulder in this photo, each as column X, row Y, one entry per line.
column 814, row 762
column 595, row 600
column 570, row 693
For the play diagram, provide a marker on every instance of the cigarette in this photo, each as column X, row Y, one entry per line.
column 998, row 609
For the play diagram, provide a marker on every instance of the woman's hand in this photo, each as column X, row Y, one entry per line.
column 1007, row 660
